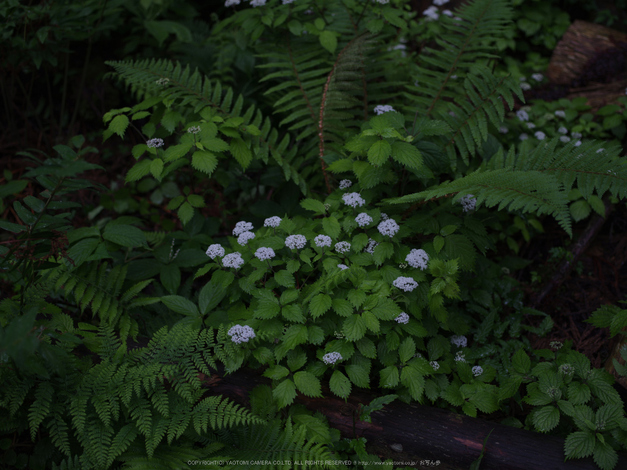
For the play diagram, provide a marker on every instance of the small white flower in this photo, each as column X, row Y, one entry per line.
column 371, row 246
column 388, row 227
column 257, row 3
column 384, row 216
column 215, row 250
column 383, row 108
column 525, row 86
column 562, row 130
column 560, row 113
column 578, row 143
column 272, row 222
column 342, row 247
column 345, row 184
column 447, row 12
column 233, row 260
column 566, row 369
column 431, row 13
column 264, row 253
column 440, row 2
column 193, row 130
column 459, row 341
column 460, row 357
column 565, row 138
column 322, row 241
column 435, row 365
column 418, row 259
column 576, row 135
column 477, row 371
column 600, row 150
column 363, row 219
column 523, row 79
column 468, row 202
column 242, row 227
column 531, row 125
column 245, row 237
column 522, row 115
column 241, row 334
column 342, row 266
column 538, row 77
column 230, row 3
column 154, row 143
column 503, row 130
column 405, row 283
column 540, row 135
column 523, row 136
column 295, row 242
column 353, row 199
column 402, row 318
column 331, row 358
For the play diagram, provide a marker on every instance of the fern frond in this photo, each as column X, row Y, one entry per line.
column 40, row 407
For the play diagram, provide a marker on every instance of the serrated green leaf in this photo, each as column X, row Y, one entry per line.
column 371, row 321
column 342, row 307
column 358, row 374
column 156, row 168
column 308, row 384
column 210, row 297
column 24, row 214
column 285, row 278
column 174, row 152
column 578, row 393
column 185, row 212
column 284, row 393
column 180, row 304
column 241, row 152
column 331, row 227
column 579, row 445
column 125, row 235
column 204, row 161
column 319, row 304
column 389, row 377
column 379, row 152
column 579, row 210
column 354, row 328
column 406, row 350
column 313, row 205
column 438, row 243
column 521, row 362
column 276, row 372
column 119, row 124
column 138, row 171
column 328, row 41
column 413, row 380
column 546, row 418
column 339, row 384
column 605, row 456
column 407, row 155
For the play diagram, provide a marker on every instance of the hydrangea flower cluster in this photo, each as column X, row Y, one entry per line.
column 264, row 253
column 353, row 199
column 388, row 227
column 345, row 184
column 154, row 143
column 242, row 227
column 477, row 371
column 405, row 283
column 459, row 341
column 295, row 242
column 215, row 250
column 272, row 222
column 383, row 108
column 233, row 260
column 322, row 240
column 540, row 135
column 241, row 334
column 402, row 318
column 468, row 202
column 245, row 237
column 331, row 358
column 363, row 219
column 371, row 246
column 342, row 247
column 418, row 259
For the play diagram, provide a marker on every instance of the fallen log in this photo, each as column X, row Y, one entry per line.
column 424, row 434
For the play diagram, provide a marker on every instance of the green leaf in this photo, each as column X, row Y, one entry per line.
column 319, row 304
column 379, row 152
column 342, row 307
column 413, row 380
column 313, row 205
column 125, row 235
column 119, row 124
column 156, row 168
column 295, row 335
column 284, row 393
column 185, row 212
column 174, row 152
column 579, row 210
column 331, row 227
column 276, row 372
column 285, row 278
column 356, row 297
column 579, row 445
column 12, row 187
column 11, row 227
column 546, row 418
column 35, row 204
column 204, row 161
column 382, row 252
column 605, row 456
column 241, row 152
column 358, row 374
column 328, row 41
column 407, row 155
column 293, row 266
column 438, row 243
column 180, row 304
column 371, row 321
column 170, row 277
column 308, row 384
column 293, row 313
column 406, row 350
column 340, row 385
column 354, row 328
column 210, row 297
column 138, row 171
column 82, row 250
column 24, row 214
column 389, row 377
column 521, row 362
column 288, row 296
column 267, row 310
column 578, row 393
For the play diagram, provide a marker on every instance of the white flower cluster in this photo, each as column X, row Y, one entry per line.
column 440, row 2
column 460, row 357
column 272, row 222
column 242, row 227
column 477, row 371
column 388, row 227
column 233, row 260
column 431, row 13
column 403, row 318
column 435, row 365
column 353, row 199
column 245, row 237
column 345, row 184
column 525, row 86
column 264, row 253
column 154, row 143
column 193, row 130
column 531, row 125
column 363, row 219
column 371, row 246
column 468, row 202
column 384, row 216
column 566, row 369
column 342, row 266
column 241, row 334
column 540, row 135
column 459, row 341
column 295, row 242
column 331, row 358
column 538, row 77
column 418, row 259
column 383, row 108
column 230, row 3
column 322, row 241
column 562, row 130
column 503, row 130
column 405, row 283
column 215, row 250
column 522, row 115
column 523, row 136
column 560, row 113
column 257, row 3
column 342, row 247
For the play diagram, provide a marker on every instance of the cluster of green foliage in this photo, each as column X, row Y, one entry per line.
column 84, row 295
